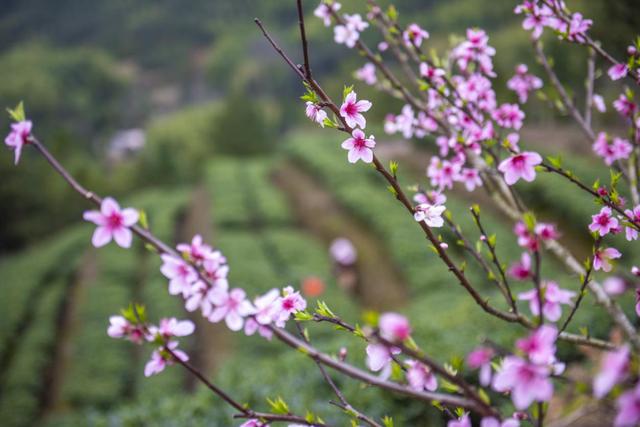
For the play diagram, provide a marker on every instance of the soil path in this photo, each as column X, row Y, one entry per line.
column 380, row 284
column 212, row 339
column 67, row 326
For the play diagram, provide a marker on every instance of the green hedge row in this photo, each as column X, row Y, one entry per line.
column 26, row 274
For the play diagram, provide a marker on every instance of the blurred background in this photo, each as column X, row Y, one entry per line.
column 182, row 109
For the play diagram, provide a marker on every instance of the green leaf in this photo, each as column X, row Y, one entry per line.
column 324, row 310
column 393, row 167
column 143, row 219
column 556, row 162
column 329, row 123
column 278, row 406
column 346, row 91
column 17, row 113
column 484, row 396
column 392, row 13
column 387, row 421
column 529, row 220
column 303, row 316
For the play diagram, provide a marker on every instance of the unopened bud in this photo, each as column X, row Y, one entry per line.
column 342, row 355
column 635, row 271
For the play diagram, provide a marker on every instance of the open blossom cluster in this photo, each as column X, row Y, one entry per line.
column 199, row 276
column 541, row 14
column 162, row 336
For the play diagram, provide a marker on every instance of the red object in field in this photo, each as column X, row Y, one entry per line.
column 312, row 286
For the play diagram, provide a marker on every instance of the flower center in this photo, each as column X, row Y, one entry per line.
column 351, row 109
column 114, row 220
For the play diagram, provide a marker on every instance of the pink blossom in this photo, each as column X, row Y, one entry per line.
column 420, row 377
column 443, row 172
column 394, row 327
column 171, row 327
column 323, row 11
column 251, row 326
column 603, row 222
column 119, row 327
column 463, row 421
column 344, row 34
column 233, row 307
column 379, row 358
column 113, row 223
column 521, row 165
column 161, row 358
column 540, row 346
column 414, row 35
column 613, row 369
column 553, row 298
column 264, row 311
column 475, row 49
column 180, row 274
column 526, row 239
column 432, row 74
column 265, row 306
column 618, row 71
column 351, row 110
column 493, row 422
column 216, row 273
column 526, row 381
column 367, row 73
column 383, row 46
column 522, row 83
column 614, row 285
column 598, row 103
column 343, row 251
column 602, row 259
column 430, row 214
column 356, row 21
column 628, row 408
column 625, row 106
column 521, row 270
column 254, row 422
column 204, row 297
column 360, row 147
column 610, row 152
column 509, row 116
column 546, row 231
column 349, row 33
column 480, row 358
column 578, row 27
column 197, row 250
column 315, row 113
column 18, row 137
column 290, row 303
column 631, row 233
column 471, row 178
column 537, row 17
column 434, row 197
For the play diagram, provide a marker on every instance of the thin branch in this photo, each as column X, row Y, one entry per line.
column 245, row 412
column 352, row 371
column 591, row 77
column 303, row 38
column 564, row 96
column 585, row 279
column 506, row 289
column 344, row 404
